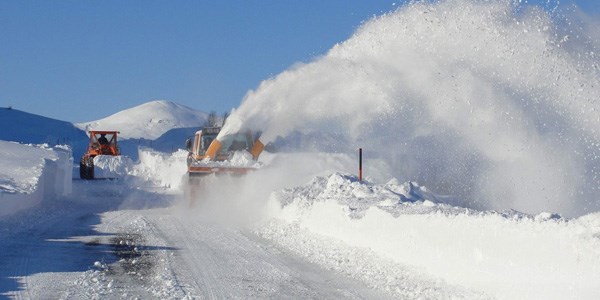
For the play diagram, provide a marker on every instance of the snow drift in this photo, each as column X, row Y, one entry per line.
column 506, row 255
column 30, row 174
column 108, row 166
column 494, row 102
column 165, row 170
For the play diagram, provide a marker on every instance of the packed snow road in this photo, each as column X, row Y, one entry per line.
column 109, row 241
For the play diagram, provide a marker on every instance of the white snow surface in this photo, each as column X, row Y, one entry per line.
column 238, row 159
column 149, row 120
column 504, row 255
column 31, row 173
column 284, row 230
column 165, row 170
column 108, row 166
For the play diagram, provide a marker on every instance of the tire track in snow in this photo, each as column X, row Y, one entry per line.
column 167, row 281
column 200, row 264
column 216, row 262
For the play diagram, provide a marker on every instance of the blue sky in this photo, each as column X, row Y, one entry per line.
column 84, row 60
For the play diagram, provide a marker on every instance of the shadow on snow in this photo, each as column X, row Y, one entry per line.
column 61, row 235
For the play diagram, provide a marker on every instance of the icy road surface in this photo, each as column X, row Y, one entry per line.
column 108, row 242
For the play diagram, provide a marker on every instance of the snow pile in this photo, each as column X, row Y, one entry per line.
column 491, row 101
column 108, row 166
column 30, row 174
column 243, row 158
column 166, row 170
column 149, row 120
column 239, row 159
column 506, row 255
column 153, row 167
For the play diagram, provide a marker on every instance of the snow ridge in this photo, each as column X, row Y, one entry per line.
column 31, row 174
column 487, row 251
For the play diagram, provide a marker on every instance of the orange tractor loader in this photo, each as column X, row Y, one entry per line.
column 101, row 143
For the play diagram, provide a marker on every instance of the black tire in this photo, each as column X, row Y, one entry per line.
column 86, row 168
column 82, row 169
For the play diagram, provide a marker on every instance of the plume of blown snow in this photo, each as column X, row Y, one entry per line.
column 491, row 101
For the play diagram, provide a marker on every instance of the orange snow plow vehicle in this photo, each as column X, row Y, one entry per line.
column 101, row 143
column 232, row 154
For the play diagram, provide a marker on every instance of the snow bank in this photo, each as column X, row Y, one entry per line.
column 153, row 167
column 242, row 159
column 492, row 101
column 169, row 169
column 506, row 255
column 166, row 170
column 108, row 166
column 30, row 174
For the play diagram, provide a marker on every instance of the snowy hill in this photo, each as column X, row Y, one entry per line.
column 37, row 129
column 173, row 139
column 149, row 120
column 166, row 122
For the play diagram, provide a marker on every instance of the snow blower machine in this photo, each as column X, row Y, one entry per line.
column 234, row 154
column 101, row 143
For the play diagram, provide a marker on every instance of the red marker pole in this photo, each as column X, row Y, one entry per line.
column 359, row 164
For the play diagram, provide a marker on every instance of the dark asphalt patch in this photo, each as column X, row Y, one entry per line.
column 133, row 260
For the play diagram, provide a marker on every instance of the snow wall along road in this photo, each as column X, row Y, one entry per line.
column 494, row 102
column 31, row 174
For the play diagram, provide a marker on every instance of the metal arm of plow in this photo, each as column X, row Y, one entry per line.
column 257, row 149
column 212, row 150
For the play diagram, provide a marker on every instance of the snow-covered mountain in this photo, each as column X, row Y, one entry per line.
column 149, row 120
column 139, row 126
column 173, row 139
column 36, row 129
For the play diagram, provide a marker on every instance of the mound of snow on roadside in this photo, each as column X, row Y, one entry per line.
column 30, row 174
column 166, row 170
column 339, row 222
column 153, row 168
column 108, row 166
column 149, row 120
column 239, row 159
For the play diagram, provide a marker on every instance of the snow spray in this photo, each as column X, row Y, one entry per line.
column 495, row 102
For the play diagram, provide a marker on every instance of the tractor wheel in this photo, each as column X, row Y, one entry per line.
column 86, row 168
column 83, row 172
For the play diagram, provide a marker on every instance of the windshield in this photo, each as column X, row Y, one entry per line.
column 103, row 138
column 236, row 142
column 206, row 140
